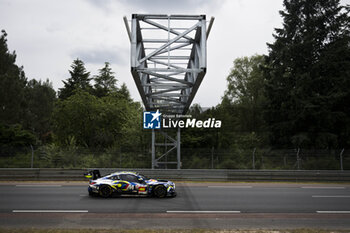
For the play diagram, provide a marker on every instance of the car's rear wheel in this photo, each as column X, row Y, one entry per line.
column 160, row 191
column 105, row 191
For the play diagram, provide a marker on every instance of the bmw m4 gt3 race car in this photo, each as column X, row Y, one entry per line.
column 120, row 183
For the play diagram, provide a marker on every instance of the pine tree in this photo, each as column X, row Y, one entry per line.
column 105, row 81
column 80, row 79
column 124, row 93
column 307, row 75
column 12, row 83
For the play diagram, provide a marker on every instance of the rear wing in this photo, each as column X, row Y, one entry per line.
column 93, row 174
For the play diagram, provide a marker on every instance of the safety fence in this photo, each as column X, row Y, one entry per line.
column 48, row 174
column 262, row 158
column 191, row 158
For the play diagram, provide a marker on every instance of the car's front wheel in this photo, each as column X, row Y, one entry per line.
column 92, row 194
column 160, row 191
column 105, row 191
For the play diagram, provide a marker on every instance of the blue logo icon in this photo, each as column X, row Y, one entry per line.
column 151, row 120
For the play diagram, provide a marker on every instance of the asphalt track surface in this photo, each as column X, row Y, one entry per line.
column 197, row 205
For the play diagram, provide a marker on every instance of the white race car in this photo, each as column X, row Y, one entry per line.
column 120, row 183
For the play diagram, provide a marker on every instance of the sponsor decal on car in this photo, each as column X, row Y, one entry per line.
column 142, row 189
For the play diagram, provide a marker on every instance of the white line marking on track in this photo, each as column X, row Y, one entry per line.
column 324, row 187
column 337, row 196
column 333, row 211
column 203, row 211
column 50, row 211
column 37, row 186
column 233, row 187
column 83, row 195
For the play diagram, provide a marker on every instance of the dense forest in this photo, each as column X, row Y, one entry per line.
column 288, row 109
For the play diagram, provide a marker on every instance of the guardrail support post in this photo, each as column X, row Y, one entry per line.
column 341, row 159
column 298, row 159
column 32, row 161
column 254, row 158
column 212, row 157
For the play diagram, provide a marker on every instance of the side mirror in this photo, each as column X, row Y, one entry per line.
column 141, row 181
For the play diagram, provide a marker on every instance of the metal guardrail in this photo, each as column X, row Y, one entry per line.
column 184, row 174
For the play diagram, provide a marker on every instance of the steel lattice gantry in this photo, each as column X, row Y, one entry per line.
column 168, row 59
column 168, row 64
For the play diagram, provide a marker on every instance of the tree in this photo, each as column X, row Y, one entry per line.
column 40, row 99
column 76, row 117
column 124, row 93
column 105, row 81
column 12, row 83
column 97, row 122
column 80, row 79
column 245, row 89
column 307, row 76
column 14, row 139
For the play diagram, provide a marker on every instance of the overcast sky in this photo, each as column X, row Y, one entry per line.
column 48, row 35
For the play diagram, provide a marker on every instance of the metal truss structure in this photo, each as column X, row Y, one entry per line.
column 168, row 64
column 168, row 59
column 173, row 143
